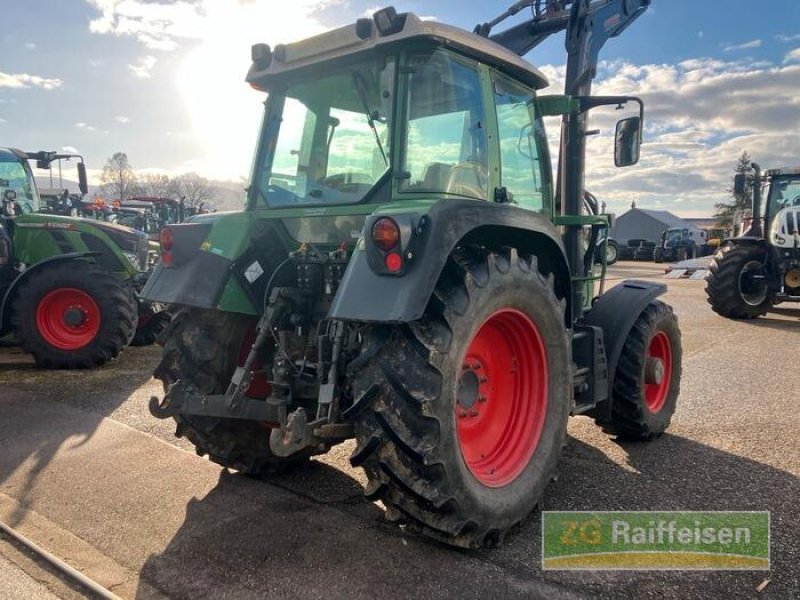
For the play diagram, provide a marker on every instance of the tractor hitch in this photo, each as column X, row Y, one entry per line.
column 185, row 400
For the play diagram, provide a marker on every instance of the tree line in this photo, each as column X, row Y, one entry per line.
column 726, row 211
column 120, row 181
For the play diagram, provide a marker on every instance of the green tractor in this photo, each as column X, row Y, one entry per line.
column 406, row 274
column 761, row 268
column 67, row 285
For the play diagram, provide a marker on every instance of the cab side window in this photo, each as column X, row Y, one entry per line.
column 521, row 162
column 445, row 148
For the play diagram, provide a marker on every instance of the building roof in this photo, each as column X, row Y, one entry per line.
column 702, row 222
column 662, row 216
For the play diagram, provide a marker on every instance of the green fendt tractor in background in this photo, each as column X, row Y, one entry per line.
column 407, row 273
column 761, row 268
column 67, row 285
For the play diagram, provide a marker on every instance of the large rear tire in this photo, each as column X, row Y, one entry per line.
column 73, row 315
column 152, row 323
column 732, row 290
column 648, row 376
column 202, row 348
column 460, row 417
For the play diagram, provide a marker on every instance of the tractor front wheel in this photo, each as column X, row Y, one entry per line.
column 73, row 315
column 648, row 376
column 460, row 417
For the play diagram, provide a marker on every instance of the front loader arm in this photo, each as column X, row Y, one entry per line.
column 589, row 24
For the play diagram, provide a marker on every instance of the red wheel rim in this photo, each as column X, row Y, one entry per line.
column 501, row 397
column 68, row 318
column 655, row 393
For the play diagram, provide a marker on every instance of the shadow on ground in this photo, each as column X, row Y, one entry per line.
column 99, row 392
column 243, row 541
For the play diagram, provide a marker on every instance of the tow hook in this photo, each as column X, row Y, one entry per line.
column 293, row 436
column 166, row 408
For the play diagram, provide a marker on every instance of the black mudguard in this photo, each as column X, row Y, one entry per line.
column 615, row 312
column 745, row 241
column 366, row 294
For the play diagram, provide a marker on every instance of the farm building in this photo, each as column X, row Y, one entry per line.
column 646, row 224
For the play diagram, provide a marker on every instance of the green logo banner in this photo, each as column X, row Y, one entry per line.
column 656, row 540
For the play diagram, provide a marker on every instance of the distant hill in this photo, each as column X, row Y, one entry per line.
column 43, row 182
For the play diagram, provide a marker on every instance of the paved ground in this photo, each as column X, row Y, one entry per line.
column 86, row 473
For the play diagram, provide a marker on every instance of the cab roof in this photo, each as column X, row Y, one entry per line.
column 784, row 171
column 12, row 155
column 386, row 28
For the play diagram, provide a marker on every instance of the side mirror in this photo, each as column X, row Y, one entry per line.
column 739, row 184
column 83, row 183
column 627, row 141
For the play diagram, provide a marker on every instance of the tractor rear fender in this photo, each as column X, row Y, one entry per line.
column 615, row 312
column 5, row 305
column 369, row 292
column 746, row 241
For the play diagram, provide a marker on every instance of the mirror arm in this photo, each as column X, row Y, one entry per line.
column 589, row 102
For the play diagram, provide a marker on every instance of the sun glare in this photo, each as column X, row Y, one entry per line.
column 224, row 111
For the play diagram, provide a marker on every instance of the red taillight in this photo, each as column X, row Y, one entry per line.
column 394, row 262
column 167, row 242
column 166, row 239
column 385, row 234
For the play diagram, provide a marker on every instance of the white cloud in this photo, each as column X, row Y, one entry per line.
column 70, row 149
column 699, row 115
column 793, row 56
column 23, row 80
column 30, row 45
column 144, row 67
column 85, row 126
column 2, row 120
column 745, row 46
column 782, row 37
column 121, row 119
column 157, row 25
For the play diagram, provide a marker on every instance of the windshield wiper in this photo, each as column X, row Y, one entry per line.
column 362, row 94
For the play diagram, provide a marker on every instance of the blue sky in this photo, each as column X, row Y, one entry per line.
column 163, row 81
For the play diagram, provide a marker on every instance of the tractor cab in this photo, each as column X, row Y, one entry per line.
column 405, row 117
column 18, row 192
column 674, row 236
column 783, row 199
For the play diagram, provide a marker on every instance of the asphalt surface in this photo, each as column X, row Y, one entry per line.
column 86, row 473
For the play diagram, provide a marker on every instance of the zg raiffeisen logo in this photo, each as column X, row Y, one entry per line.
column 656, row 540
